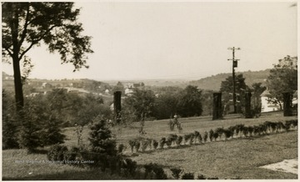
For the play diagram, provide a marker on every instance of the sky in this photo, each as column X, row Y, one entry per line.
column 175, row 39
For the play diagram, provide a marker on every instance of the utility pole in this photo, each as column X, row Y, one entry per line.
column 234, row 65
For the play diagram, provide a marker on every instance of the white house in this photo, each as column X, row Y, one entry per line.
column 265, row 105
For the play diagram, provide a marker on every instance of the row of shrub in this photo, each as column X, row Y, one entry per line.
column 239, row 130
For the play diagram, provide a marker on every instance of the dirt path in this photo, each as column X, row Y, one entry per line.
column 288, row 166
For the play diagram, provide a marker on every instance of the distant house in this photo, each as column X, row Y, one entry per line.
column 131, row 86
column 46, row 85
column 265, row 105
column 106, row 91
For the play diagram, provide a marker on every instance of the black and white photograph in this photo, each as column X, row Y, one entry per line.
column 150, row 90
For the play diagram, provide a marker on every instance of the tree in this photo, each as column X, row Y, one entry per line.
column 100, row 138
column 257, row 90
column 189, row 102
column 26, row 25
column 166, row 105
column 9, row 122
column 207, row 102
column 240, row 89
column 282, row 78
column 141, row 102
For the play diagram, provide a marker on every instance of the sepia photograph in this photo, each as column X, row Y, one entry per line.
column 150, row 90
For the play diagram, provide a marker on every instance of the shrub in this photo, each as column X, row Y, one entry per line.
column 129, row 167
column 176, row 172
column 162, row 142
column 72, row 155
column 131, row 144
column 154, row 169
column 179, row 140
column 211, row 135
column 155, row 144
column 205, row 136
column 57, row 153
column 188, row 176
column 121, row 148
column 200, row 176
column 137, row 144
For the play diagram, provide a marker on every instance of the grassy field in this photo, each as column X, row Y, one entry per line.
column 18, row 165
column 235, row 158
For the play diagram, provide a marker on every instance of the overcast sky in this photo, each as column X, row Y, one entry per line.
column 173, row 40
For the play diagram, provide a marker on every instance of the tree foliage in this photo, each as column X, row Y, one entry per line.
column 26, row 25
column 166, row 104
column 101, row 139
column 141, row 102
column 189, row 102
column 257, row 90
column 282, row 78
column 45, row 115
column 9, row 122
column 240, row 89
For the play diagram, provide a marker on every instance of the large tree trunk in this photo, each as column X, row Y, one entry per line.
column 16, row 63
column 18, row 85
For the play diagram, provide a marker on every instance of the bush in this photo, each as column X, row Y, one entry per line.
column 154, row 171
column 57, row 153
column 188, row 176
column 176, row 172
column 72, row 155
column 129, row 167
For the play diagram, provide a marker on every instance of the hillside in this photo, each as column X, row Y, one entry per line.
column 41, row 85
column 214, row 82
column 208, row 83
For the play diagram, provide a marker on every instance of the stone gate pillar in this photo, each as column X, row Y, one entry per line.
column 117, row 105
column 287, row 104
column 248, row 112
column 217, row 106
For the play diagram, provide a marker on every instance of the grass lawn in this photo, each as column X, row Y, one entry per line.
column 235, row 158
column 18, row 165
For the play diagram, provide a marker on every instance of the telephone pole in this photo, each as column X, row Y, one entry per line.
column 234, row 65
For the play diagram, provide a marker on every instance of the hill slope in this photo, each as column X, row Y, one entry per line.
column 214, row 82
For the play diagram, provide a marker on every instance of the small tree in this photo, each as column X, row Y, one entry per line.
column 40, row 125
column 141, row 103
column 101, row 139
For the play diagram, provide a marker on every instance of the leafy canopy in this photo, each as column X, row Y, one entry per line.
column 26, row 24
column 282, row 78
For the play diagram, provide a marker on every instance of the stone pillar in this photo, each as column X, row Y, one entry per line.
column 248, row 112
column 287, row 104
column 217, row 106
column 117, row 105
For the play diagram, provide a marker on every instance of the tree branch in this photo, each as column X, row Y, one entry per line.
column 36, row 41
column 25, row 27
column 9, row 52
